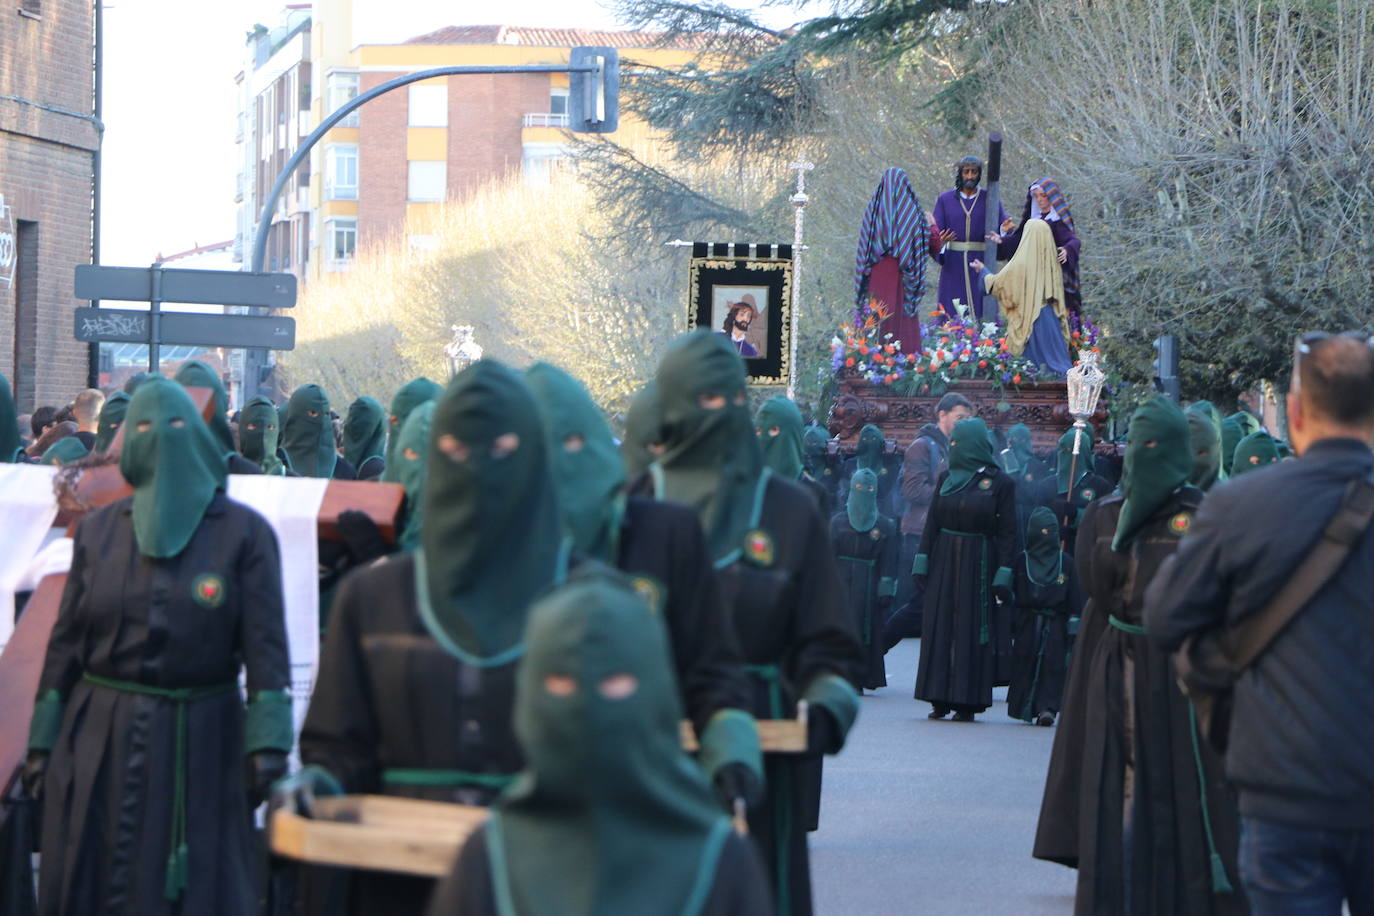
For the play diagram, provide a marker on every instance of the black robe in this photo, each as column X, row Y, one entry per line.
column 965, row 634
column 1027, row 479
column 389, row 697
column 740, row 888
column 108, row 794
column 1040, row 640
column 1046, row 493
column 1135, row 739
column 864, row 559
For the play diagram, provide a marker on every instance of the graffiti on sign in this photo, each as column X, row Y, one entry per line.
column 108, row 327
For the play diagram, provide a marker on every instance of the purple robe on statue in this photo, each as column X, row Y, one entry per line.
column 957, row 279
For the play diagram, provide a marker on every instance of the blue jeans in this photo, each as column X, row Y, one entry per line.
column 1306, row 871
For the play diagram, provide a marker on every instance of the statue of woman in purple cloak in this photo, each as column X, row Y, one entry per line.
column 1044, row 200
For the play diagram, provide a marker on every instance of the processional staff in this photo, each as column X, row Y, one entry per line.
column 799, row 199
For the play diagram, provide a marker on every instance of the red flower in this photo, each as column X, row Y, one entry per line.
column 920, row 368
column 890, row 349
column 968, row 332
column 1016, row 379
column 982, row 364
column 849, row 362
column 864, row 349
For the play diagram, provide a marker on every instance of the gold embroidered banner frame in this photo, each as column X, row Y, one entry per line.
column 745, row 293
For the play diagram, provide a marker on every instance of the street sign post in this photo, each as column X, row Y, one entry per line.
column 156, row 285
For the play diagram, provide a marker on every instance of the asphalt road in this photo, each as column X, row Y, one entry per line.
column 934, row 817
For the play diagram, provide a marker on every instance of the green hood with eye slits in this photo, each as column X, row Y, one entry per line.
column 412, row 461
column 1158, row 461
column 309, row 440
column 111, row 417
column 862, row 505
column 970, row 451
column 258, row 435
column 408, row 397
column 196, row 374
column 783, row 452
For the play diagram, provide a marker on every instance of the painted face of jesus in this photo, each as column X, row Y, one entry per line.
column 971, row 174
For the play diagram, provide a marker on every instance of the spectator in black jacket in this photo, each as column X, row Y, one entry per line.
column 1302, row 734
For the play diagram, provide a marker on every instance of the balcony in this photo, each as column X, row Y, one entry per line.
column 544, row 119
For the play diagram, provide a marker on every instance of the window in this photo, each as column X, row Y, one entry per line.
column 342, row 85
column 341, row 171
column 32, row 9
column 558, row 100
column 428, row 105
column 428, row 180
column 540, row 160
column 24, row 259
column 342, row 235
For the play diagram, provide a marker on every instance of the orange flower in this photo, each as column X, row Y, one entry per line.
column 1016, row 379
column 920, row 368
column 864, row 349
column 1076, row 334
column 890, row 349
column 849, row 362
column 968, row 332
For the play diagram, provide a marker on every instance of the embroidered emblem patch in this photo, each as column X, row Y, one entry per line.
column 650, row 591
column 1060, row 580
column 1180, row 523
column 985, row 484
column 1089, row 495
column 208, row 590
column 758, row 548
column 875, row 534
column 1030, row 477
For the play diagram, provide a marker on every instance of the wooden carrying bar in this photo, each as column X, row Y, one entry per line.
column 776, row 736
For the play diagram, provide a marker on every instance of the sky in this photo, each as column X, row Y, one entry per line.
column 169, row 157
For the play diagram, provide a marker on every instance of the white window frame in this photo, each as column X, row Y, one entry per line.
column 560, row 92
column 422, row 171
column 337, row 159
column 332, row 227
column 341, row 86
column 427, row 105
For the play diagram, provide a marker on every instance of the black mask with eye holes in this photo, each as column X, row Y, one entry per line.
column 491, row 537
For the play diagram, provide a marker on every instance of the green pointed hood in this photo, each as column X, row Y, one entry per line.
column 588, row 471
column 782, row 451
column 259, row 435
column 490, row 540
column 1159, row 459
column 408, row 397
column 869, row 452
column 64, row 451
column 1255, row 451
column 1080, row 467
column 111, row 418
column 970, row 451
column 711, row 460
column 862, row 505
column 10, row 443
column 138, row 378
column 1021, row 447
column 609, row 817
column 364, row 431
column 173, row 462
column 815, row 442
column 1231, row 434
column 643, row 428
column 1204, row 430
column 412, row 462
column 196, row 374
column 1044, row 562
column 307, row 436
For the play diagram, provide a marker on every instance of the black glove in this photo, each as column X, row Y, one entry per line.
column 363, row 537
column 264, row 768
column 822, row 732
column 735, row 780
column 31, row 778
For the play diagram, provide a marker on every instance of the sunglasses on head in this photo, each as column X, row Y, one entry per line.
column 1312, row 339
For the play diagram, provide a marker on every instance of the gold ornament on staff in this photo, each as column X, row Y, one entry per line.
column 1085, row 382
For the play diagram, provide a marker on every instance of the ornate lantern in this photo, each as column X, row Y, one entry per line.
column 463, row 350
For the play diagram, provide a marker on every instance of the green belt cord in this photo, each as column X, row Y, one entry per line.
column 1220, row 883
column 782, row 809
column 447, row 779
column 864, row 619
column 175, row 880
column 984, row 634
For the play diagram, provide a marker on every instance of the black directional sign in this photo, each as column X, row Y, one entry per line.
column 205, row 287
column 186, row 329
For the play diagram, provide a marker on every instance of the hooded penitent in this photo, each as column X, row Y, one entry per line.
column 408, row 397
column 1020, row 444
column 1255, row 451
column 970, row 451
column 64, row 451
column 196, row 374
column 412, row 458
column 1204, row 425
column 711, row 460
column 869, row 452
column 10, row 445
column 307, row 435
column 862, row 507
column 1080, row 466
column 111, row 418
column 174, row 464
column 1044, row 561
column 587, row 468
column 132, row 383
column 364, row 432
column 814, row 445
column 643, row 428
column 609, row 817
column 491, row 540
column 258, row 435
column 1158, row 462
column 779, row 426
column 1031, row 278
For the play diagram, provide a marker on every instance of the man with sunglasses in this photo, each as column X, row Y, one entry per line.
column 1301, row 752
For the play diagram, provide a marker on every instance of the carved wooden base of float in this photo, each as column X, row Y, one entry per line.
column 1042, row 406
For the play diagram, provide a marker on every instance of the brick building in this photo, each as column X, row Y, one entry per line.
column 49, row 143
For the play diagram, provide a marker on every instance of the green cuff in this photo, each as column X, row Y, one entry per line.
column 838, row 697
column 268, row 724
column 921, row 565
column 731, row 736
column 1003, row 578
column 887, row 587
column 46, row 721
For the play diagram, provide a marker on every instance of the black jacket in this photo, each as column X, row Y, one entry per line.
column 1302, row 733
